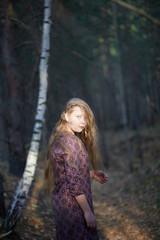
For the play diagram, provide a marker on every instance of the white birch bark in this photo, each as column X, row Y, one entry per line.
column 28, row 175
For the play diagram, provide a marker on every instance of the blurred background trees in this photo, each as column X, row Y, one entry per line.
column 106, row 52
column 83, row 63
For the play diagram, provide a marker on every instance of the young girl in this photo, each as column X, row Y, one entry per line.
column 72, row 150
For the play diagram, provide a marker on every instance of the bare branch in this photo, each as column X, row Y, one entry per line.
column 24, row 43
column 79, row 55
column 138, row 10
column 20, row 23
column 3, row 235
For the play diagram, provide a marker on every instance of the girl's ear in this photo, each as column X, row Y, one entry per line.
column 66, row 116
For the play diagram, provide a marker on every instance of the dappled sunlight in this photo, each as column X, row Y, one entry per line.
column 34, row 219
column 115, row 224
column 38, row 214
column 37, row 221
column 119, row 217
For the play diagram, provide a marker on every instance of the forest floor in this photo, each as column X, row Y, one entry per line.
column 127, row 207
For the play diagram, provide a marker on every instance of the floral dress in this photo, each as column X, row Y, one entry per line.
column 71, row 180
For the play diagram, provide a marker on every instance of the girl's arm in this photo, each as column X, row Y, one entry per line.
column 91, row 174
column 89, row 216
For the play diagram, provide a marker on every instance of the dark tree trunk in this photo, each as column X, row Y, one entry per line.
column 2, row 205
column 13, row 114
column 121, row 89
column 111, row 86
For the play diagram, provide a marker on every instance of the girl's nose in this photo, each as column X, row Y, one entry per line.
column 83, row 121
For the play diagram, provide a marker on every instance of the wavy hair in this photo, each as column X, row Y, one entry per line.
column 88, row 136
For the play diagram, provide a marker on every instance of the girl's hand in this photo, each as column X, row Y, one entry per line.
column 90, row 219
column 100, row 176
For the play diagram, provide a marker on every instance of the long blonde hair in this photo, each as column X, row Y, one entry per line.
column 88, row 137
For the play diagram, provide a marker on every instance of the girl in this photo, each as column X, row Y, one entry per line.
column 72, row 148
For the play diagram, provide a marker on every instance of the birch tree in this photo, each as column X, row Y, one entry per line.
column 28, row 175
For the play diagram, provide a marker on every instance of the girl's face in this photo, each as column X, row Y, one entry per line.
column 76, row 120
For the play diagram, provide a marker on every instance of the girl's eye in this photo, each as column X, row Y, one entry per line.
column 78, row 116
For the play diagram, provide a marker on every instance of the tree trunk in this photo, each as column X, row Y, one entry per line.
column 121, row 89
column 28, row 175
column 111, row 86
column 2, row 205
column 13, row 113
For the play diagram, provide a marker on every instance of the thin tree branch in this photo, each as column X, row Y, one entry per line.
column 77, row 54
column 20, row 23
column 138, row 10
column 3, row 235
column 24, row 43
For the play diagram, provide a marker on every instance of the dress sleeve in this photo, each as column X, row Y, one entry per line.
column 73, row 165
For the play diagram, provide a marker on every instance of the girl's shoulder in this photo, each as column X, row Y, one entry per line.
column 62, row 143
column 66, row 142
column 67, row 139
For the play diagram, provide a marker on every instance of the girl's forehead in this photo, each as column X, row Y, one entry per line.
column 79, row 110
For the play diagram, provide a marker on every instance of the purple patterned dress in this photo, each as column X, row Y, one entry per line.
column 71, row 181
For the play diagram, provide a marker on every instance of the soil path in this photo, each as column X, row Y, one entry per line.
column 121, row 215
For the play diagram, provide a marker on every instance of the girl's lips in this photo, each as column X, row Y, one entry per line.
column 81, row 127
